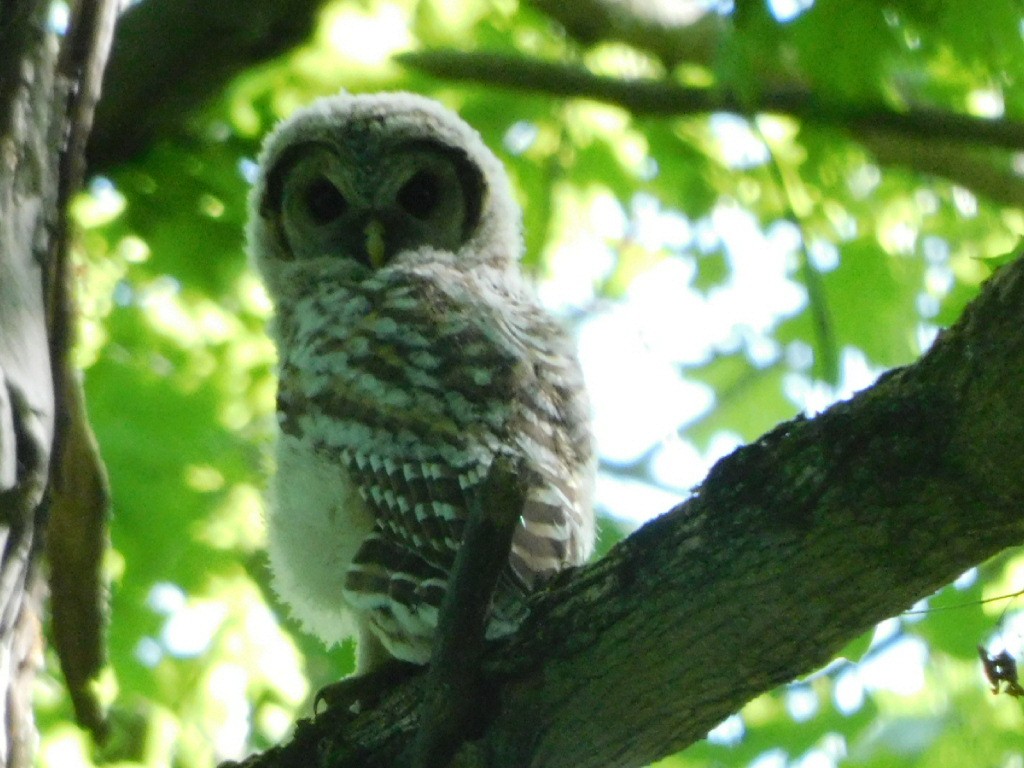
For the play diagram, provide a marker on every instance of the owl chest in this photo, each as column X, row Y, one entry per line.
column 354, row 370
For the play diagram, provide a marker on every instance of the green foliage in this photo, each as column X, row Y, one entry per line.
column 179, row 373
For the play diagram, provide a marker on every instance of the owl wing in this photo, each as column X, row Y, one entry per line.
column 423, row 390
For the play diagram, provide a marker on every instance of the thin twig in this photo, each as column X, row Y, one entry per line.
column 455, row 703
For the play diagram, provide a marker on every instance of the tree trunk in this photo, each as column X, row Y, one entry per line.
column 48, row 87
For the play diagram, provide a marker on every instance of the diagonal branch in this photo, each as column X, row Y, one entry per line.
column 791, row 547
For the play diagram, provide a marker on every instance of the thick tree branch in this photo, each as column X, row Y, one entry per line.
column 791, row 547
column 172, row 57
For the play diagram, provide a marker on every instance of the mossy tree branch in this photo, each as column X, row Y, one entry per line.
column 791, row 547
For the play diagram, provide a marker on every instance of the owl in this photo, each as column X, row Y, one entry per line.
column 412, row 354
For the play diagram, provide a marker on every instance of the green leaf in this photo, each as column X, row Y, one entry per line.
column 749, row 401
column 870, row 300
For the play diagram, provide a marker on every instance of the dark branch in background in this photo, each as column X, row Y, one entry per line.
column 83, row 59
column 169, row 61
column 986, row 172
column 790, row 548
column 674, row 36
column 660, row 98
column 171, row 58
column 929, row 141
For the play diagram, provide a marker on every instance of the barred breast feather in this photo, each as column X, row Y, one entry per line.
column 397, row 391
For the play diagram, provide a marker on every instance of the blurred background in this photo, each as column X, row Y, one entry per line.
column 744, row 211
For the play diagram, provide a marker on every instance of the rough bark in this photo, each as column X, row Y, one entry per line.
column 28, row 193
column 790, row 548
column 48, row 86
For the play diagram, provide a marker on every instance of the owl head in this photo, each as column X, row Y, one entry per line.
column 365, row 180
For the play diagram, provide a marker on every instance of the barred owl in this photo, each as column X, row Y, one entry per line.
column 412, row 353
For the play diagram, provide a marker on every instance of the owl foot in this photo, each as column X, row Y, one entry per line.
column 354, row 694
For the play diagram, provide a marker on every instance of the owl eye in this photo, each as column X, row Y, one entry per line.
column 420, row 195
column 324, row 201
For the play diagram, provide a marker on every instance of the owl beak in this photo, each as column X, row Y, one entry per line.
column 376, row 249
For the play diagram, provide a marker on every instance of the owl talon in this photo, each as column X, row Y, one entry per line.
column 359, row 692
